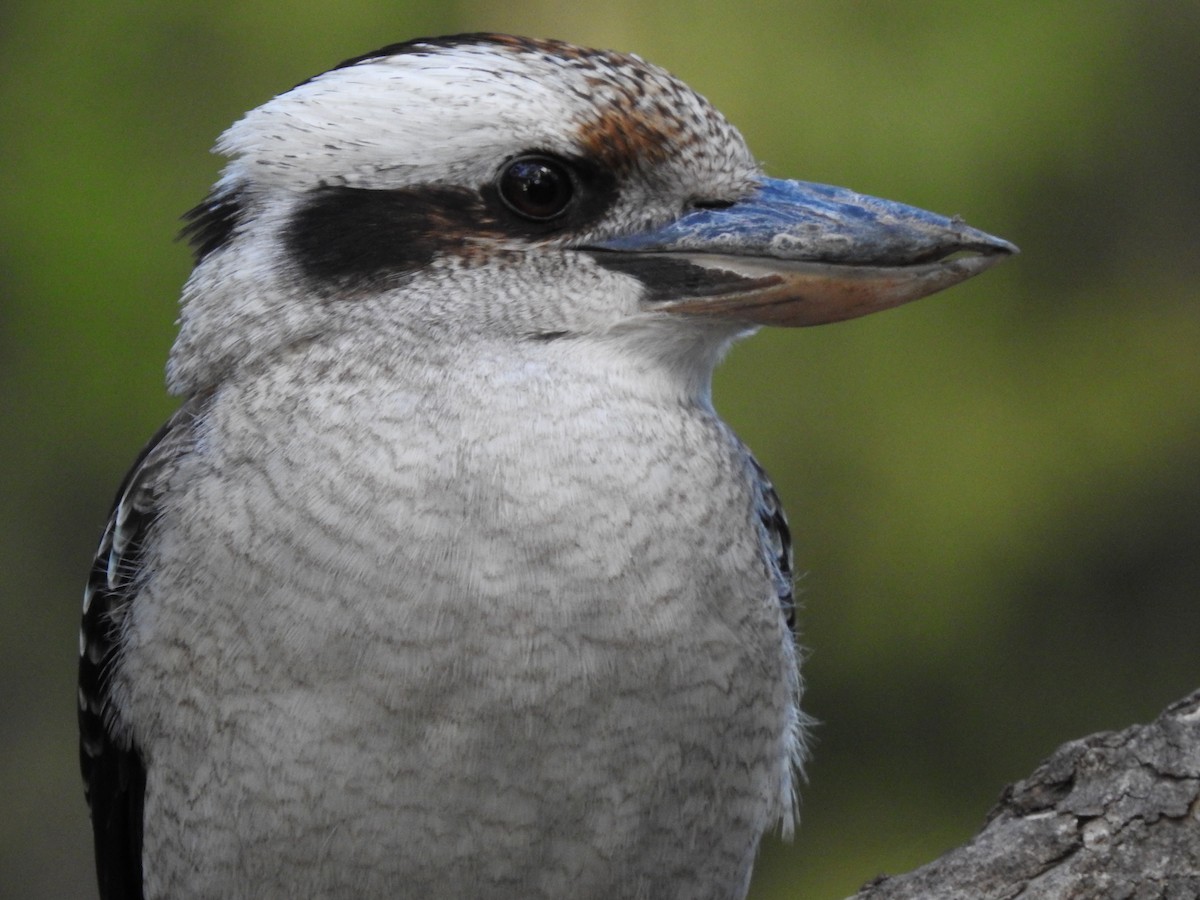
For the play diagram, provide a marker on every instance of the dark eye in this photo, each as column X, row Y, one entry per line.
column 536, row 187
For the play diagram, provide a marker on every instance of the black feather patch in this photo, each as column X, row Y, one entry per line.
column 210, row 226
column 114, row 773
column 779, row 544
column 347, row 235
column 670, row 278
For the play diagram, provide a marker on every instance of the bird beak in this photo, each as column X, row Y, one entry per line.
column 796, row 253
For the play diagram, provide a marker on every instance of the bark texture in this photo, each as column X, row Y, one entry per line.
column 1113, row 815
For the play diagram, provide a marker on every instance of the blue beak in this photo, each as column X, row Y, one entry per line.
column 797, row 253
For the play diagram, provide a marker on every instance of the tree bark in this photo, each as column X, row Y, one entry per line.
column 1113, row 815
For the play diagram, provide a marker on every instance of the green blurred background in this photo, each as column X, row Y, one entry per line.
column 995, row 492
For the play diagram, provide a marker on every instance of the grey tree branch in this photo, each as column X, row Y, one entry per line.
column 1113, row 815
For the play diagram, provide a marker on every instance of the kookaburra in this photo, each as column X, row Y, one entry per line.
column 446, row 580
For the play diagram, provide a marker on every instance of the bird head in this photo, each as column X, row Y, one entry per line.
column 493, row 188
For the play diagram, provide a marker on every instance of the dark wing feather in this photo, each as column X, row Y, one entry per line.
column 778, row 541
column 114, row 773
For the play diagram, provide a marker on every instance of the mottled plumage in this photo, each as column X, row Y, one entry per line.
column 447, row 580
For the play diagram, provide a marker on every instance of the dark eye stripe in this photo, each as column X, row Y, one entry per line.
column 348, row 236
column 211, row 225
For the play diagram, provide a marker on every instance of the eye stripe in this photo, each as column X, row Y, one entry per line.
column 348, row 236
column 354, row 234
column 211, row 225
